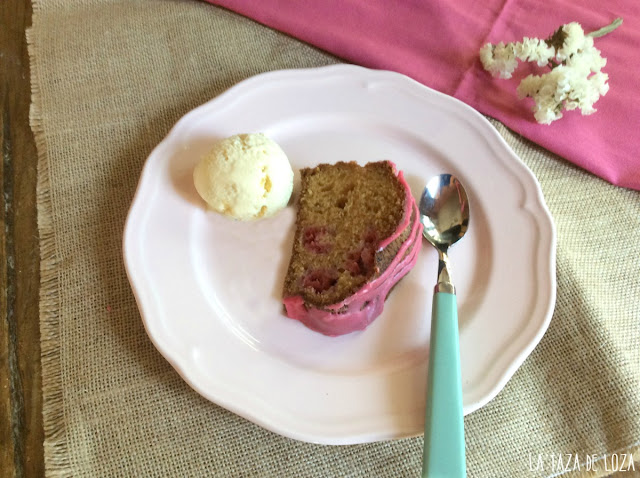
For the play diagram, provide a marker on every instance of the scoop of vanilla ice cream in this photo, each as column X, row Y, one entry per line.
column 246, row 176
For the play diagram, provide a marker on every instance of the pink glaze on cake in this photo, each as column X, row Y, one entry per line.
column 407, row 210
column 357, row 311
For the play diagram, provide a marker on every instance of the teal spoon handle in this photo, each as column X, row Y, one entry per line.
column 444, row 454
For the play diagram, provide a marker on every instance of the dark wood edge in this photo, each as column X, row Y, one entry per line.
column 21, row 430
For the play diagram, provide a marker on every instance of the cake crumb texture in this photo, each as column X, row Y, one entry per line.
column 345, row 211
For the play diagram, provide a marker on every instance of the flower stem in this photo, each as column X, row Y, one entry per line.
column 608, row 29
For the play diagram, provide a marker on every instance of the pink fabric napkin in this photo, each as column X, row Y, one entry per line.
column 436, row 42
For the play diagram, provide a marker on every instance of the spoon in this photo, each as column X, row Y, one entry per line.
column 444, row 214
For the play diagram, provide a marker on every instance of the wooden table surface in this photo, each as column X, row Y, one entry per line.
column 21, row 429
column 21, row 432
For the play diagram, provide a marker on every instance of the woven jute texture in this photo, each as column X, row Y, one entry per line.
column 109, row 80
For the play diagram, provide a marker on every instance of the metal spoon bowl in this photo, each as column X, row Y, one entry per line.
column 444, row 214
column 444, row 211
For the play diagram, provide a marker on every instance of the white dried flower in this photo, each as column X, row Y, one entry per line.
column 547, row 93
column 589, row 59
column 575, row 80
column 499, row 60
column 534, row 49
column 573, row 41
column 562, row 88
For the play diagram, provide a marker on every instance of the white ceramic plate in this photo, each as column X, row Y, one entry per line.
column 209, row 288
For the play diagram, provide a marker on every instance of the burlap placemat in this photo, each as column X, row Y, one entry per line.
column 109, row 79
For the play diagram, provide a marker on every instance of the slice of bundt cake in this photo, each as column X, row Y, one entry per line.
column 357, row 234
